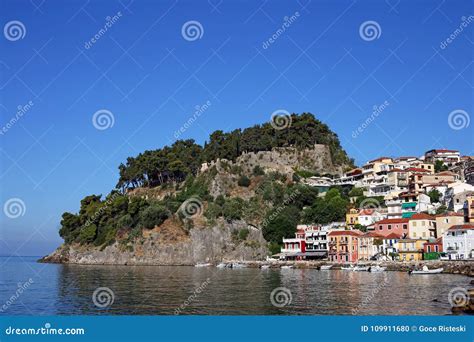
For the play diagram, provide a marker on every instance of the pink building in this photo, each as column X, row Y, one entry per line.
column 386, row 227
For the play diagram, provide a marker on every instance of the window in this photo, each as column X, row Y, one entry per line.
column 414, row 224
column 380, row 228
column 423, row 223
column 405, row 226
column 424, row 234
column 389, row 227
column 414, row 234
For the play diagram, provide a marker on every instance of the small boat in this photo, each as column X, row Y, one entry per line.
column 265, row 267
column 347, row 268
column 286, row 267
column 376, row 269
column 326, row 267
column 203, row 265
column 222, row 265
column 361, row 269
column 237, row 265
column 425, row 270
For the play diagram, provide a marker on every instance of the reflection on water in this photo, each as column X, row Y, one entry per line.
column 149, row 290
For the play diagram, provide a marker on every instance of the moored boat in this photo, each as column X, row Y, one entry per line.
column 326, row 267
column 377, row 268
column 347, row 268
column 286, row 267
column 361, row 269
column 425, row 270
column 203, row 265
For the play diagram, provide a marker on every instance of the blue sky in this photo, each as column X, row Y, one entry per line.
column 144, row 72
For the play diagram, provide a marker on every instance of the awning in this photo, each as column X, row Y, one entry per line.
column 409, row 205
column 408, row 215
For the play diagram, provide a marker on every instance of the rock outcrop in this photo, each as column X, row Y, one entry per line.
column 201, row 245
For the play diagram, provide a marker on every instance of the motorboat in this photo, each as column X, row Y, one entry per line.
column 347, row 268
column 203, row 265
column 361, row 269
column 222, row 265
column 425, row 270
column 265, row 267
column 377, row 268
column 326, row 267
column 287, row 267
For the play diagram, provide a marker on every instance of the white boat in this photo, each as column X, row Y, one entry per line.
column 286, row 267
column 326, row 267
column 347, row 268
column 361, row 269
column 376, row 269
column 265, row 267
column 237, row 265
column 425, row 270
column 222, row 265
column 203, row 265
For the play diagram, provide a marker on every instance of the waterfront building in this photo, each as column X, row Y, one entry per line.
column 369, row 245
column 344, row 245
column 458, row 242
column 432, row 249
column 398, row 226
column 422, row 226
column 448, row 157
column 446, row 221
column 389, row 245
column 410, row 249
column 310, row 242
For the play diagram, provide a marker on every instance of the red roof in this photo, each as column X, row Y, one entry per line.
column 374, row 235
column 394, row 220
column 345, row 232
column 379, row 159
column 397, row 170
column 450, row 213
column 416, row 169
column 443, row 151
column 422, row 216
column 393, row 236
column 462, row 227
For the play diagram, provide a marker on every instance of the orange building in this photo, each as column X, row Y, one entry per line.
column 344, row 245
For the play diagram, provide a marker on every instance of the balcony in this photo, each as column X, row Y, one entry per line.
column 286, row 250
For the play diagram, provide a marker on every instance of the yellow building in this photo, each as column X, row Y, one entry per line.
column 352, row 217
column 410, row 249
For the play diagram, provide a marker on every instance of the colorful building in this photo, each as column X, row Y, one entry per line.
column 446, row 221
column 386, row 227
column 458, row 242
column 369, row 245
column 410, row 249
column 344, row 245
column 422, row 226
column 352, row 217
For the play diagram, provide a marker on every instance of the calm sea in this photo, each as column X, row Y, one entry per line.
column 48, row 289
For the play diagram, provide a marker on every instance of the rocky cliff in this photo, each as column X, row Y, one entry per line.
column 201, row 245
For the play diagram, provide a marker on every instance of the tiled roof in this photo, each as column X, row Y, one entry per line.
column 392, row 221
column 422, row 216
column 450, row 213
column 393, row 236
column 345, row 232
column 462, row 227
column 416, row 169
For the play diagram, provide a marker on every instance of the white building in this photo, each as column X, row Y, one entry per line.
column 458, row 242
column 448, row 157
column 368, row 217
column 455, row 195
